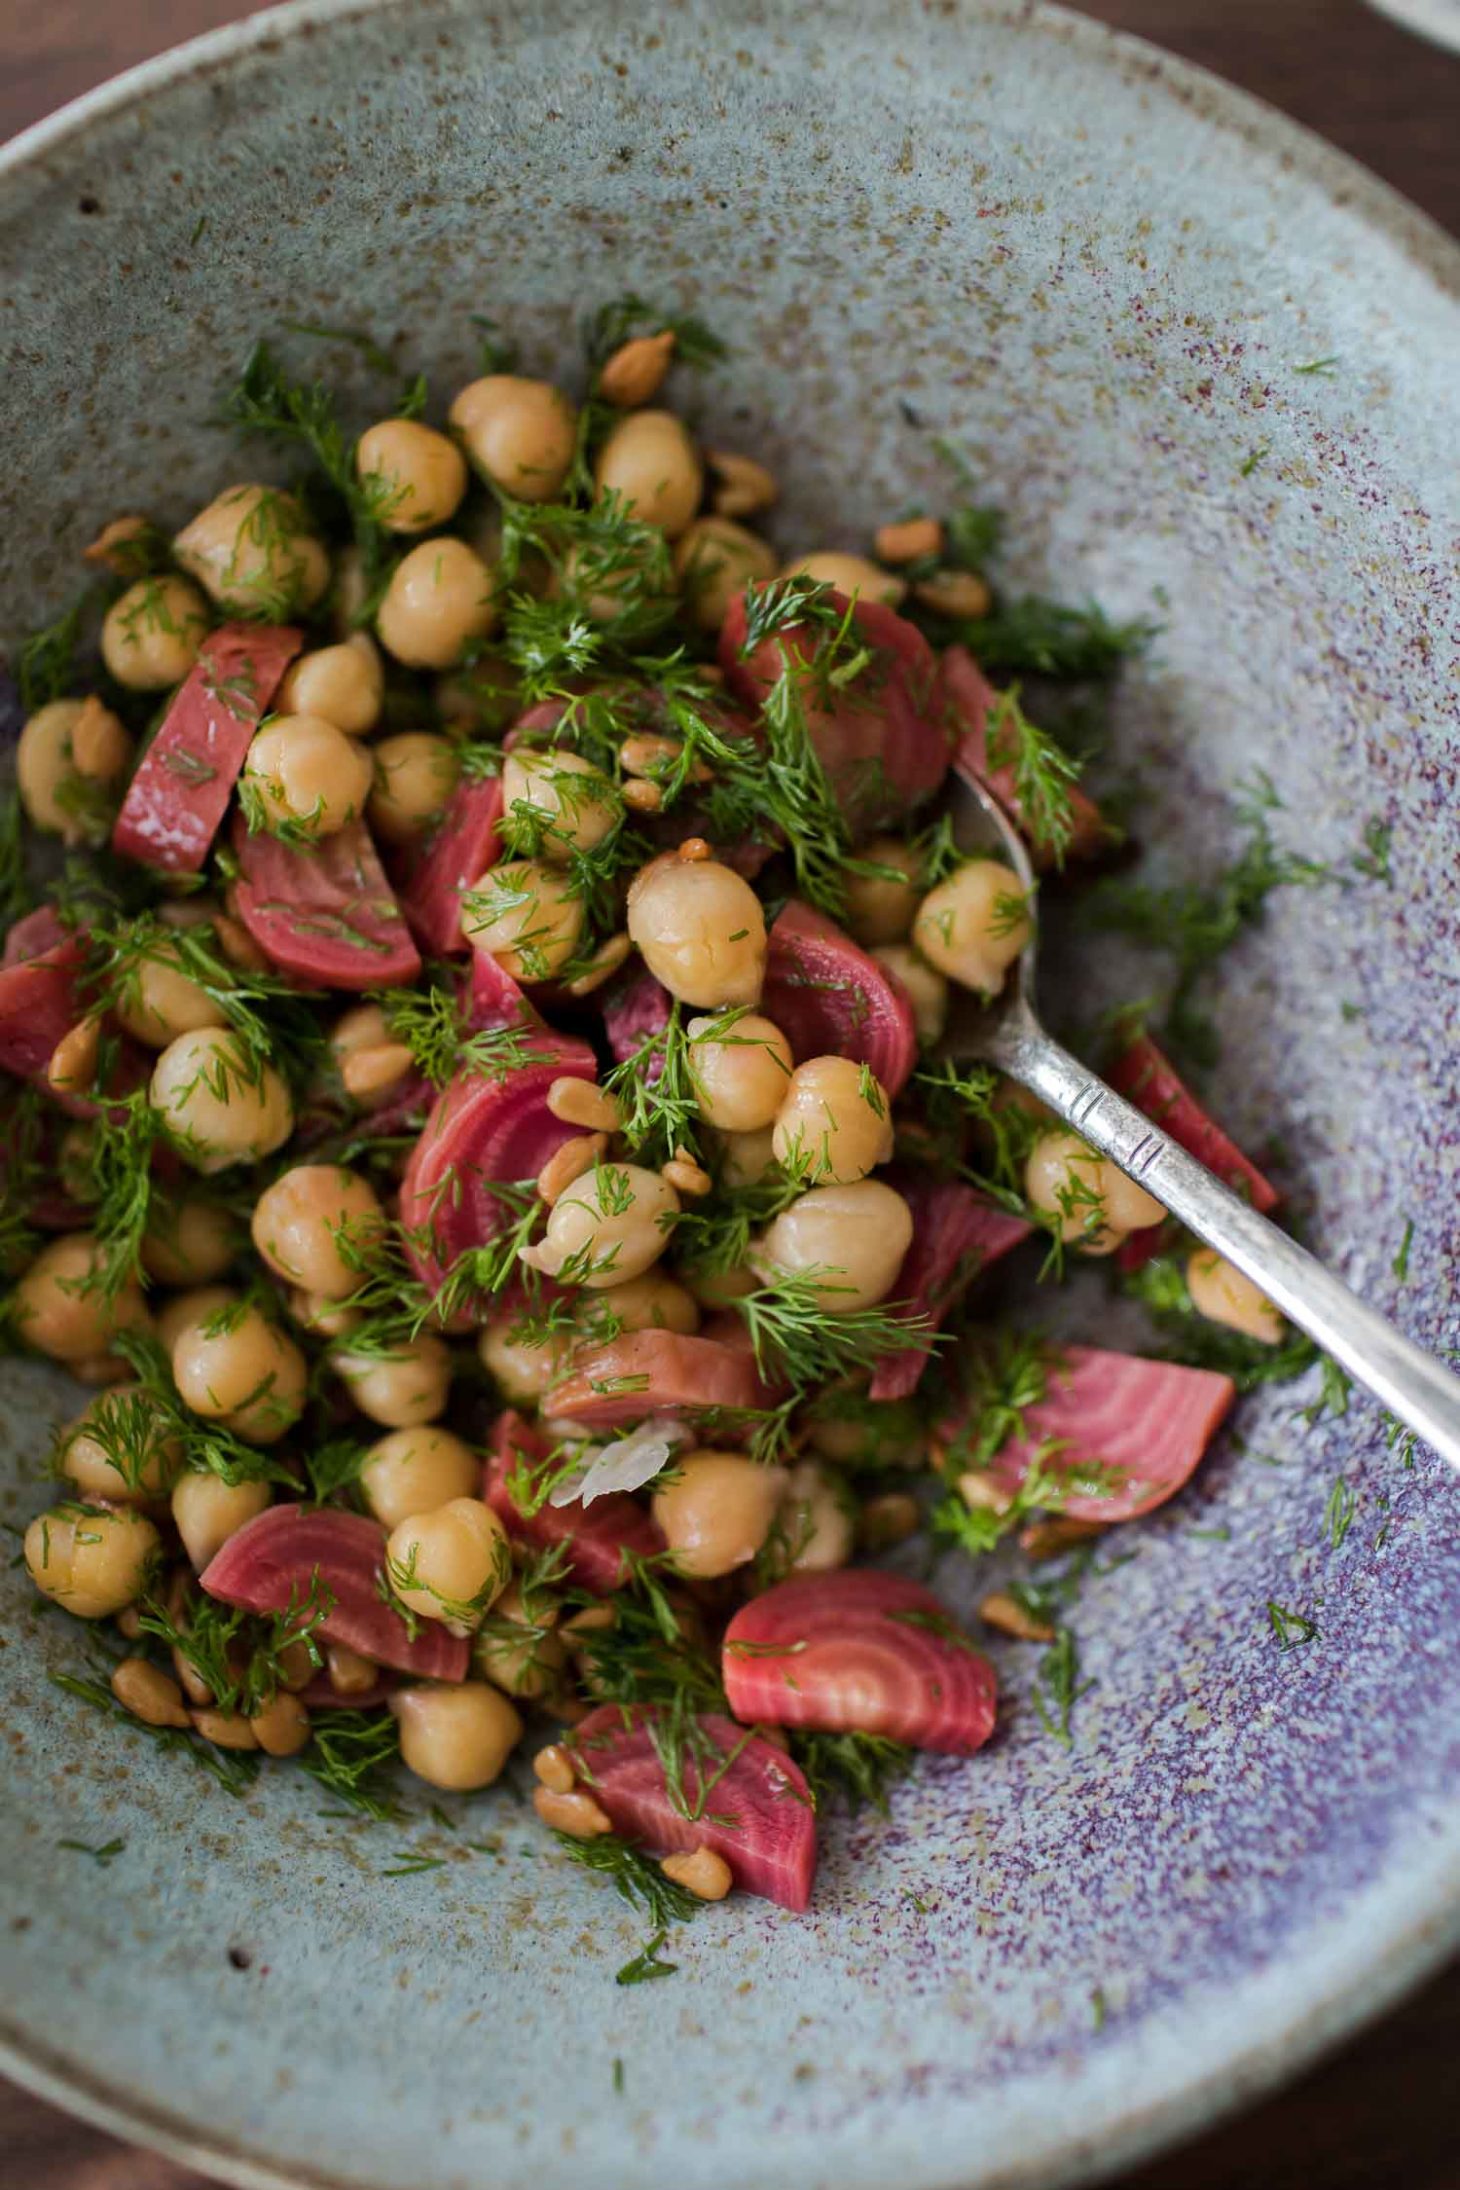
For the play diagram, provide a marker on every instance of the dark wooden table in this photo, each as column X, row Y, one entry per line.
column 1381, row 2114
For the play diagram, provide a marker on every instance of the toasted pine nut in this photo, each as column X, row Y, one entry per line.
column 1009, row 1616
column 296, row 1665
column 695, row 848
column 190, row 1680
column 579, row 1102
column 1047, row 1539
column 225, row 1729
column 954, row 593
column 145, row 1690
column 642, row 795
column 591, row 1620
column 982, row 1490
column 645, row 751
column 281, row 1728
column 367, row 1072
column 636, row 370
column 702, row 1872
column 575, row 1813
column 686, row 1178
column 323, row 1318
column 554, row 1767
column 237, row 945
column 907, row 542
column 887, row 1520
column 351, row 1674
column 743, row 486
column 710, row 673
column 116, row 545
column 129, row 1622
column 72, row 1065
column 601, row 967
column 571, row 1161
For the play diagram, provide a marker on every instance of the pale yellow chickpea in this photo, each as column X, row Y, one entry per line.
column 716, row 1511
column 220, row 1105
column 416, row 772
column 520, row 434
column 91, row 1560
column 191, row 1306
column 61, row 1309
column 237, row 1368
column 700, row 930
column 881, row 909
column 649, row 460
column 973, row 926
column 189, row 1242
column 316, row 1224
column 158, row 1001
column 523, row 1371
column 855, row 1235
column 414, row 476
column 715, row 560
column 716, row 1289
column 558, row 801
column 834, row 1124
column 1220, row 1291
column 745, row 1158
column 1067, row 1182
column 321, row 1316
column 1128, row 1206
column 457, row 1738
column 151, row 634
column 609, row 1226
column 440, row 598
column 252, row 551
column 740, row 1065
column 344, row 683
column 306, row 776
column 70, row 759
column 122, row 1448
column 927, row 988
column 653, row 1301
column 852, row 575
column 519, row 1649
column 206, row 1511
column 526, row 915
column 815, row 1523
column 450, row 1564
column 417, row 1471
column 401, row 1387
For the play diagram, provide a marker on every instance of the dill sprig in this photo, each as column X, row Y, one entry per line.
column 1160, row 1287
column 634, row 1876
column 435, row 1027
column 854, row 1770
column 351, row 1754
column 45, row 667
column 655, row 1090
column 266, row 402
column 1034, row 636
column 801, row 1340
column 238, row 1655
column 234, row 1770
column 1044, row 774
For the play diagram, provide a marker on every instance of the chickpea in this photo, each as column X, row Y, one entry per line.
column 60, row 1307
column 700, row 930
column 69, row 760
column 415, row 774
column 220, row 1105
column 417, row 1471
column 440, row 598
column 402, row 1388
column 860, row 1233
column 519, row 1649
column 835, row 1123
column 526, row 915
column 314, row 1226
column 523, row 1371
column 849, row 574
column 717, row 1511
column 91, row 1560
column 251, row 550
column 651, row 1302
column 815, row 1522
column 189, row 1242
column 321, row 1316
column 237, row 1368
column 842, row 1427
column 520, row 434
column 745, row 1158
column 350, row 1673
column 1065, row 1179
column 451, row 1564
column 193, row 1306
column 458, row 1738
column 558, row 801
column 1222, row 1292
column 973, row 926
column 716, row 1289
column 306, row 775
column 122, row 1448
column 927, row 988
column 610, row 1225
column 151, row 635
column 206, row 1511
column 741, row 1069
column 715, row 560
column 1128, row 1206
column 650, row 461
column 879, row 908
column 159, row 1001
column 414, row 476
column 344, row 683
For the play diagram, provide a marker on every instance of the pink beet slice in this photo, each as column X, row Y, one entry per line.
column 756, row 1808
column 272, row 1561
column 431, row 882
column 326, row 915
column 831, row 1000
column 32, row 935
column 647, row 1373
column 176, row 801
column 596, row 1537
column 1148, row 1080
column 1130, row 1433
column 635, row 1007
column 859, row 1651
column 957, row 1233
column 40, row 1001
column 970, row 702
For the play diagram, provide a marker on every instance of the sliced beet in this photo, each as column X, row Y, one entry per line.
column 755, row 1808
column 430, row 881
column 957, row 1233
column 970, row 703
column 859, row 1651
column 34, row 934
column 1148, row 1080
column 1128, row 1433
column 322, row 1695
column 271, row 1564
column 830, row 999
column 653, row 1372
column 40, row 1001
column 327, row 915
column 176, row 801
column 635, row 1006
column 595, row 1537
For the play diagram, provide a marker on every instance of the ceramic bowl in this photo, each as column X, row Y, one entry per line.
column 1114, row 282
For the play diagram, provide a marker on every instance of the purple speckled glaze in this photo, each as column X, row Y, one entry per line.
column 1101, row 271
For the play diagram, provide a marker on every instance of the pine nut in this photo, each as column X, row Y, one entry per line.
column 743, row 485
column 686, row 1178
column 580, row 1102
column 636, row 371
column 367, row 1072
column 887, row 1520
column 571, row 1161
column 1009, row 1616
column 954, row 593
column 225, row 1729
column 984, row 1492
column 350, row 1673
column 909, row 541
column 554, row 1767
column 702, row 1872
column 601, row 967
column 296, row 1665
column 592, row 1620
column 642, row 795
column 281, row 1728
column 695, row 848
column 145, row 1690
column 237, row 945
column 190, row 1680
column 72, row 1065
column 117, row 544
column 129, row 1622
column 1047, row 1539
column 575, row 1813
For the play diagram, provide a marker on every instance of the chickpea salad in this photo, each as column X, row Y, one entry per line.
column 479, row 926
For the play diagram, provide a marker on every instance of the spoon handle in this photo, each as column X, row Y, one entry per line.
column 1410, row 1382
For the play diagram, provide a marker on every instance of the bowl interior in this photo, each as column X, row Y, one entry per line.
column 1112, row 284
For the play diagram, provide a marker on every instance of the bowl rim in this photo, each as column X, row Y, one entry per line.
column 1244, row 2074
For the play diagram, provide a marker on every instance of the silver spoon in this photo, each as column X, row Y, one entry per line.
column 1004, row 1031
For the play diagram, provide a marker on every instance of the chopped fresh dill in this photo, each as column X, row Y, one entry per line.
column 799, row 1335
column 1291, row 1629
column 436, row 1028
column 1326, row 368
column 853, row 1770
column 351, row 1754
column 45, row 668
column 409, row 1864
column 1339, row 1512
column 635, row 1876
column 1035, row 637
column 103, row 1857
column 1400, row 1265
column 1058, row 1687
column 1252, row 459
column 234, row 1770
column 655, row 1090
column 1373, row 863
column 648, row 1963
column 266, row 402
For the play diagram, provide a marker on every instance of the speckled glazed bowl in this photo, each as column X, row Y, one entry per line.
column 1104, row 274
